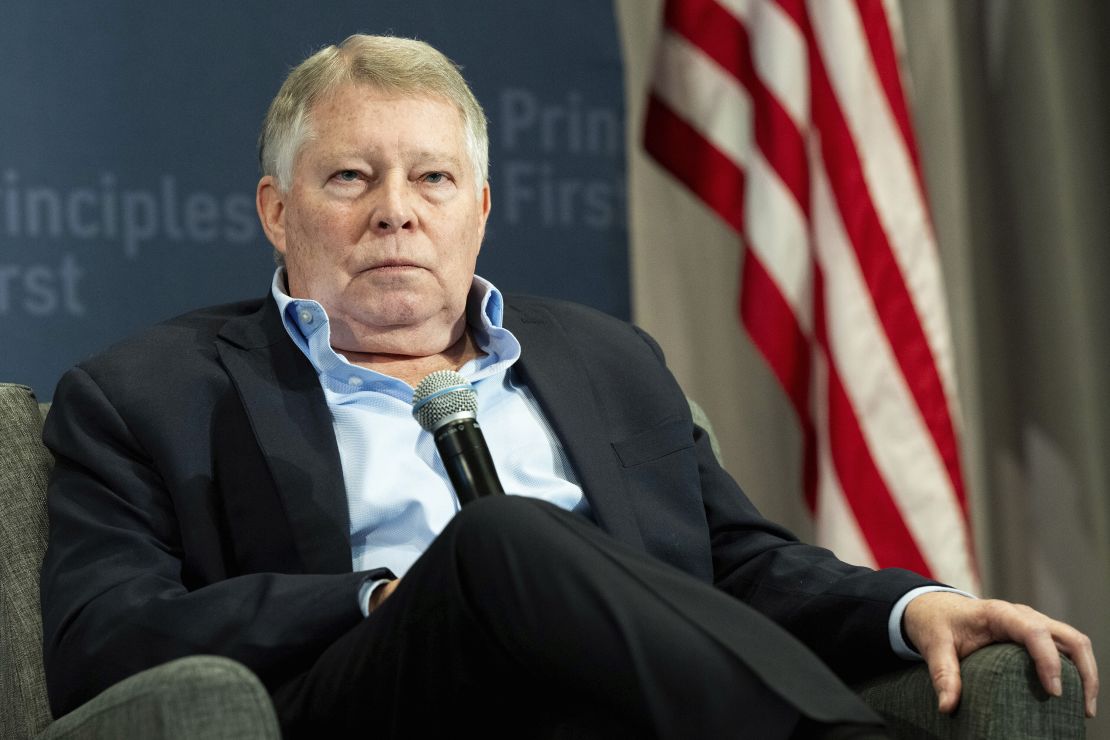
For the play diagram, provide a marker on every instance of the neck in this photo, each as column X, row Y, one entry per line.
column 413, row 368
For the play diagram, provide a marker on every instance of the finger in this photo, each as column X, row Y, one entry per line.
column 1030, row 627
column 1041, row 645
column 1026, row 626
column 944, row 669
column 1077, row 646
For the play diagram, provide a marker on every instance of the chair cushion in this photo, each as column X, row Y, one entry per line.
column 24, row 468
column 1002, row 699
column 202, row 696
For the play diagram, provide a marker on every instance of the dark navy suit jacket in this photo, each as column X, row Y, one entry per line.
column 197, row 503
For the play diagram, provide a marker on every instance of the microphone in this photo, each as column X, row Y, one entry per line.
column 447, row 406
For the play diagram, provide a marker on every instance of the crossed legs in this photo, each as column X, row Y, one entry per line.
column 522, row 620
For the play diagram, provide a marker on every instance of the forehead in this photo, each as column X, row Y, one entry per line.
column 357, row 109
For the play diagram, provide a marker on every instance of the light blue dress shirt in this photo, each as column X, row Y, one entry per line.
column 399, row 497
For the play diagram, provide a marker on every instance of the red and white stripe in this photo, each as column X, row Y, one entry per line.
column 788, row 119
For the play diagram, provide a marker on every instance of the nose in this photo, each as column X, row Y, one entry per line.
column 393, row 208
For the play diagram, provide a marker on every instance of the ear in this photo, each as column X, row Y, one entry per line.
column 270, row 203
column 486, row 204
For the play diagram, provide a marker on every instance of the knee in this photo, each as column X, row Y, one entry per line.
column 499, row 515
column 503, row 525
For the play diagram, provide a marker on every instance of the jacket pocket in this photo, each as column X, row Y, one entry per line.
column 653, row 444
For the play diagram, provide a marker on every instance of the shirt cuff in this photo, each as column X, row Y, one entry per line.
column 366, row 590
column 894, row 626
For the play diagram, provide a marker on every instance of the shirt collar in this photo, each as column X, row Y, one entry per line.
column 307, row 324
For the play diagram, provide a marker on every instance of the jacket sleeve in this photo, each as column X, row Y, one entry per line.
column 119, row 592
column 838, row 610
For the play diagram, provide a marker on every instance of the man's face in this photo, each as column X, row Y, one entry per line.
column 384, row 219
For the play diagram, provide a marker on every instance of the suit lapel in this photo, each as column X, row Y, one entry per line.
column 560, row 380
column 289, row 417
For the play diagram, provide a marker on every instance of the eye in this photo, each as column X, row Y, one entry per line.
column 435, row 178
column 346, row 176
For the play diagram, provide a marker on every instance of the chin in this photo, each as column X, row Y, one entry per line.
column 394, row 314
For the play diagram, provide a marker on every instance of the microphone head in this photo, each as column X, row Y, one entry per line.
column 442, row 397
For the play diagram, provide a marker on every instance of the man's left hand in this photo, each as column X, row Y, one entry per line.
column 945, row 627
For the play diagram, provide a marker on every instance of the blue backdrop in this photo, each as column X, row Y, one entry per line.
column 128, row 154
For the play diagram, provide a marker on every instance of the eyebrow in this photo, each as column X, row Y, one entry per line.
column 423, row 155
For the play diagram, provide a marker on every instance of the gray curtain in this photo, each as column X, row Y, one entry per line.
column 1012, row 101
column 1012, row 108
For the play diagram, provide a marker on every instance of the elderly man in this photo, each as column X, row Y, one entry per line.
column 247, row 480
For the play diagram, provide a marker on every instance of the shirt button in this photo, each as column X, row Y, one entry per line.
column 354, row 381
column 305, row 316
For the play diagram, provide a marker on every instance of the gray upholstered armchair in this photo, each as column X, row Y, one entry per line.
column 211, row 697
column 197, row 697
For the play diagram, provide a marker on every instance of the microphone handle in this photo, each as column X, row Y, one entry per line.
column 464, row 452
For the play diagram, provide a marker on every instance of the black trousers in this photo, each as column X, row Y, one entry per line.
column 522, row 620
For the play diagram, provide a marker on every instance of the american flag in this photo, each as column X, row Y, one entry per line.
column 788, row 119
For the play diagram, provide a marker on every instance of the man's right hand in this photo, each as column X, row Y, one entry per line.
column 381, row 593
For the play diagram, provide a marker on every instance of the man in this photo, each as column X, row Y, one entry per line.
column 247, row 480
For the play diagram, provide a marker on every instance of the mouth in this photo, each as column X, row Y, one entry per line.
column 393, row 265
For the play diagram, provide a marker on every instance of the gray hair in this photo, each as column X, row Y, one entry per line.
column 387, row 63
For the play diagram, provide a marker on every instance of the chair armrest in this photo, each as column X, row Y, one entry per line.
column 1001, row 698
column 200, row 696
